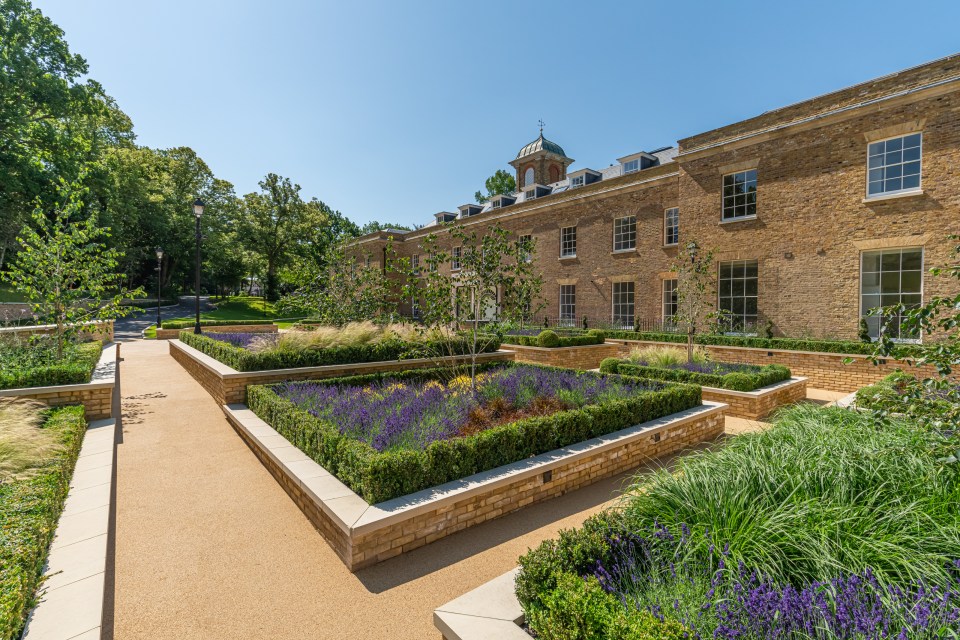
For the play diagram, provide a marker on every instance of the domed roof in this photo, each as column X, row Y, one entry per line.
column 541, row 144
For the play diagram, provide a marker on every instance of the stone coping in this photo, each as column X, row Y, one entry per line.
column 104, row 376
column 762, row 391
column 227, row 372
column 357, row 519
column 71, row 597
column 489, row 611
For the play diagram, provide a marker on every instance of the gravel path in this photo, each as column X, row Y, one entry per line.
column 209, row 546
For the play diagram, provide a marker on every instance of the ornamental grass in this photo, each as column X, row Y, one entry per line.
column 831, row 525
column 23, row 444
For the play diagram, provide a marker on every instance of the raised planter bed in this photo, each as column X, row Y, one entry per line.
column 754, row 405
column 364, row 534
column 102, row 331
column 96, row 396
column 822, row 370
column 173, row 334
column 582, row 357
column 71, row 599
column 228, row 386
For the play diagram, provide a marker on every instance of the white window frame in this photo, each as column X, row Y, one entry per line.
column 526, row 238
column 635, row 169
column 565, row 231
column 529, row 172
column 567, row 299
column 723, row 196
column 618, row 319
column 863, row 311
column 415, row 264
column 675, row 211
column 578, row 181
column 882, row 194
column 530, row 194
column 756, row 315
column 627, row 237
column 415, row 309
column 456, row 261
column 673, row 304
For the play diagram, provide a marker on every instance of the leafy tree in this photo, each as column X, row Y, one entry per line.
column 346, row 291
column 500, row 183
column 65, row 271
column 373, row 225
column 694, row 270
column 490, row 263
column 933, row 400
column 274, row 222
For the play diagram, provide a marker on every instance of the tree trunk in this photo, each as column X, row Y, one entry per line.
column 690, row 344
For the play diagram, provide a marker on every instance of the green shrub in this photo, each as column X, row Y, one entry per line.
column 29, row 510
column 579, row 608
column 736, row 381
column 381, row 476
column 786, row 344
column 20, row 368
column 609, row 365
column 863, row 331
column 188, row 324
column 246, row 360
column 598, row 333
column 548, row 339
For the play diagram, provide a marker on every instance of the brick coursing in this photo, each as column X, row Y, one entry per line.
column 585, row 357
column 760, row 403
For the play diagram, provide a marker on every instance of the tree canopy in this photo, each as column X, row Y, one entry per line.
column 500, row 183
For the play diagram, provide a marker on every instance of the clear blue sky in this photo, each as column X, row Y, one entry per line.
column 394, row 111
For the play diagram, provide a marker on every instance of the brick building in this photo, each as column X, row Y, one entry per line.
column 815, row 212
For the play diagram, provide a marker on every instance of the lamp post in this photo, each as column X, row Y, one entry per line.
column 197, row 212
column 159, row 281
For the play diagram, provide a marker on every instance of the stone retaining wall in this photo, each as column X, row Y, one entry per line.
column 96, row 396
column 229, row 386
column 173, row 334
column 822, row 370
column 363, row 535
column 754, row 405
column 585, row 357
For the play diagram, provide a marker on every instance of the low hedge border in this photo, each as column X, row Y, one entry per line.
column 150, row 304
column 244, row 360
column 188, row 324
column 786, row 344
column 734, row 381
column 29, row 510
column 552, row 340
column 378, row 477
column 77, row 370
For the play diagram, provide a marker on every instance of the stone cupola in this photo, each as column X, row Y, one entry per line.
column 540, row 162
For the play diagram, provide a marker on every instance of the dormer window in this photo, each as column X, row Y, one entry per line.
column 584, row 177
column 631, row 166
column 502, row 200
column 536, row 191
column 468, row 210
column 576, row 181
column 637, row 162
column 445, row 216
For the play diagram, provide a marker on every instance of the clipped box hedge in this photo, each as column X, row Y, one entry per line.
column 189, row 324
column 76, row 368
column 244, row 360
column 735, row 381
column 382, row 476
column 29, row 510
column 786, row 344
column 552, row 340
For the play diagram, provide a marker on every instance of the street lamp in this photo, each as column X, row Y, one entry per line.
column 159, row 281
column 197, row 212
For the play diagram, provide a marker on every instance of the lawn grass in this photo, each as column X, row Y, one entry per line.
column 234, row 308
column 9, row 294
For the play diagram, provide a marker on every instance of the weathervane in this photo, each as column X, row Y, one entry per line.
column 541, row 122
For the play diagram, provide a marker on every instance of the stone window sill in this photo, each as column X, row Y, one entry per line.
column 573, row 257
column 620, row 252
column 893, row 196
column 736, row 220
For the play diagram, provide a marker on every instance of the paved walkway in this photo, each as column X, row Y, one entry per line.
column 131, row 327
column 209, row 546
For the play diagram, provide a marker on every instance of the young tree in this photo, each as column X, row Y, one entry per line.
column 694, row 271
column 933, row 400
column 469, row 296
column 500, row 183
column 344, row 292
column 65, row 270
